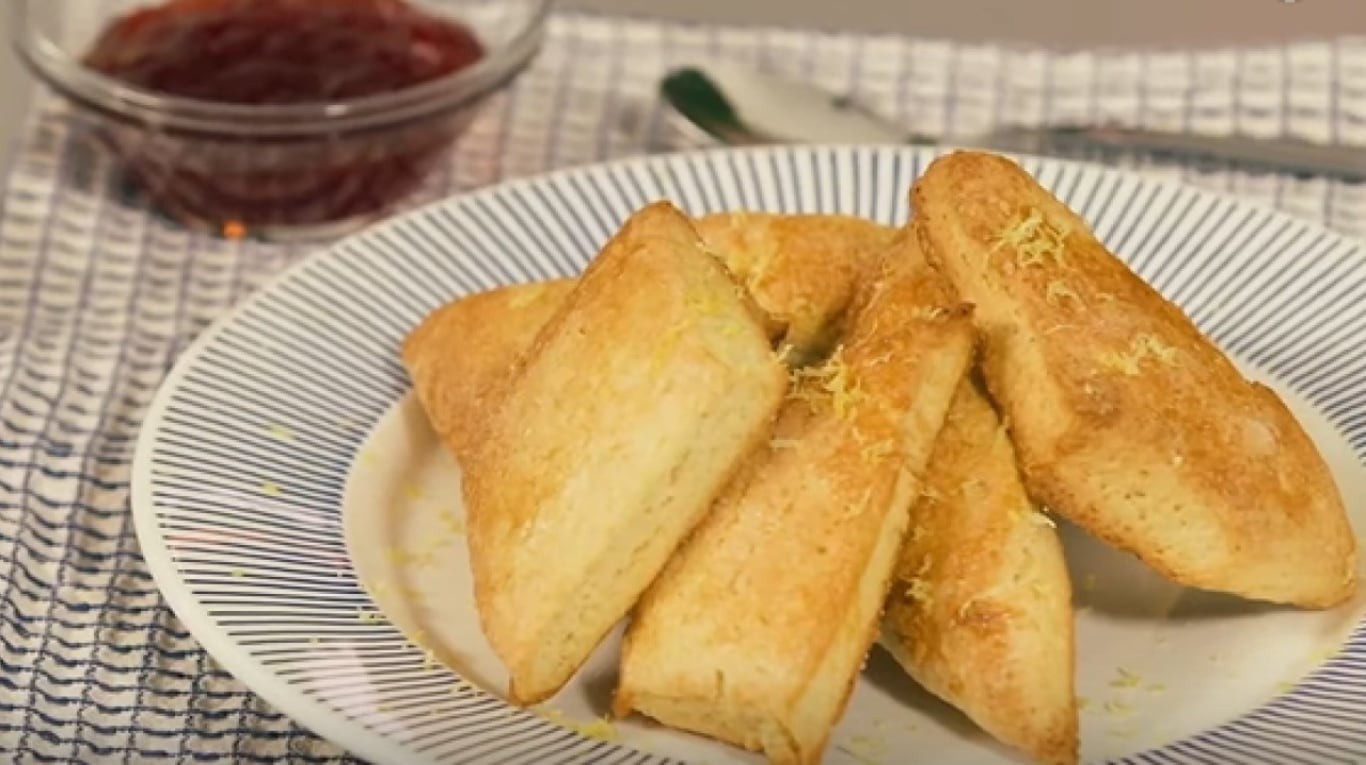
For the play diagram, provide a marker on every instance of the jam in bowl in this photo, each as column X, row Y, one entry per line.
column 279, row 117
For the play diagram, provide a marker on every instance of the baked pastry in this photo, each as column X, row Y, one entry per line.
column 1126, row 419
column 625, row 419
column 757, row 629
column 980, row 612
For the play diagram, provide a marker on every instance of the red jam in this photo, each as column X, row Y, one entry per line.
column 282, row 52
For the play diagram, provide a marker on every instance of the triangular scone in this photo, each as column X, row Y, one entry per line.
column 1125, row 417
column 756, row 631
column 980, row 612
column 459, row 349
column 623, row 422
column 803, row 270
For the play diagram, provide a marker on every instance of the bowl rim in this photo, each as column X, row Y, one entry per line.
column 120, row 100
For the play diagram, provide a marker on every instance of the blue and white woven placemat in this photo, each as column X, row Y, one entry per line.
column 97, row 298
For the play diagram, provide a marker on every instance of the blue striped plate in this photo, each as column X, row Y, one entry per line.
column 289, row 426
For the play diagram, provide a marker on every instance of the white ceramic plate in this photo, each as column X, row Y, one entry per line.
column 287, row 431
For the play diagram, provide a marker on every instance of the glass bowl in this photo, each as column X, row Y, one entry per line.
column 275, row 171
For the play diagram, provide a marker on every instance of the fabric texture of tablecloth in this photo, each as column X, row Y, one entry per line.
column 97, row 298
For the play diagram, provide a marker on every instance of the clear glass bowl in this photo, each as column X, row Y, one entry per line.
column 293, row 171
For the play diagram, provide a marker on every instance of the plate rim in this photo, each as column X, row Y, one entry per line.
column 360, row 740
column 202, row 626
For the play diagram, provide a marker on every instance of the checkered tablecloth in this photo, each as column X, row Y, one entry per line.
column 97, row 298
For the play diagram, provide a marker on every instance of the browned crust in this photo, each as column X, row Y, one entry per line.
column 455, row 354
column 981, row 609
column 835, row 482
column 1126, row 418
column 654, row 345
column 803, row 270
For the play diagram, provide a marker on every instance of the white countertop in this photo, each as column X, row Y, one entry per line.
column 1062, row 23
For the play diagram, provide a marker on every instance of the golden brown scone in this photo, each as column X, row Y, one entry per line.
column 1125, row 417
column 627, row 416
column 757, row 629
column 462, row 347
column 980, row 612
column 803, row 270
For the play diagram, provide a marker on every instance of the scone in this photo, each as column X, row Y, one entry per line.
column 1127, row 420
column 755, row 632
column 629, row 413
column 980, row 612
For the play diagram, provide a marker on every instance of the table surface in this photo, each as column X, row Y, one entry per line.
column 1058, row 23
